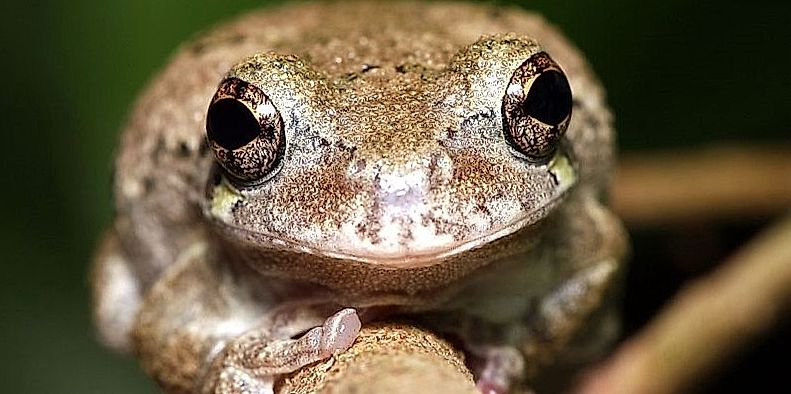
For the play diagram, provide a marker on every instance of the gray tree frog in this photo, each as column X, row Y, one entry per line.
column 303, row 170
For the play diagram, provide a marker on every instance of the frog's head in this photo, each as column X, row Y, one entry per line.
column 397, row 165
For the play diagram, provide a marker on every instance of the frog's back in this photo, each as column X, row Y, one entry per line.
column 163, row 163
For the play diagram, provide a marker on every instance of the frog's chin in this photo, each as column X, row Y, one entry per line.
column 433, row 254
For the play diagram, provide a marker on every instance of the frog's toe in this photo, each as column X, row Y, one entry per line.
column 339, row 331
column 500, row 368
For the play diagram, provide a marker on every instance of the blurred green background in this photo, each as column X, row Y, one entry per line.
column 679, row 73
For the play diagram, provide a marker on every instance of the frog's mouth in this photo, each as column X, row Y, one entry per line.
column 426, row 244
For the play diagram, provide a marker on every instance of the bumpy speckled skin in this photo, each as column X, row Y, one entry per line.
column 397, row 190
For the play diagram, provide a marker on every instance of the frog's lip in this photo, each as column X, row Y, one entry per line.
column 411, row 259
column 563, row 172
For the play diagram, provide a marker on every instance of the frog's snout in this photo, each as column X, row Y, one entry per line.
column 403, row 182
column 401, row 190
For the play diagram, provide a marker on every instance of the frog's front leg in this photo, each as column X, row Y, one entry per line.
column 255, row 358
column 203, row 328
column 545, row 331
column 116, row 293
column 561, row 313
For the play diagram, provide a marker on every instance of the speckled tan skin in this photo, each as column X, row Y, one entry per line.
column 396, row 192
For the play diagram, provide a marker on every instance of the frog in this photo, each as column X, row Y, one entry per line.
column 304, row 170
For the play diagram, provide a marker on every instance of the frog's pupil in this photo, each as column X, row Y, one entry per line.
column 549, row 99
column 231, row 125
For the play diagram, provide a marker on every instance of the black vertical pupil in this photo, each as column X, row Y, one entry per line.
column 231, row 125
column 549, row 98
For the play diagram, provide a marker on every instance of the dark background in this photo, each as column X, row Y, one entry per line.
column 679, row 74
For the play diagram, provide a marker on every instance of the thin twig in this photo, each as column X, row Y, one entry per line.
column 707, row 323
column 718, row 182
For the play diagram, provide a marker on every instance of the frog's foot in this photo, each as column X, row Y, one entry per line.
column 251, row 363
column 338, row 332
column 500, row 368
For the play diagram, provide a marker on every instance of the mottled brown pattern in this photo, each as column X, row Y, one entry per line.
column 173, row 108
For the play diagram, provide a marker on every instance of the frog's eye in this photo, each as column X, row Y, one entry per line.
column 245, row 131
column 536, row 108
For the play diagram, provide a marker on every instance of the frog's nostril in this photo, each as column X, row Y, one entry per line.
column 440, row 168
column 357, row 167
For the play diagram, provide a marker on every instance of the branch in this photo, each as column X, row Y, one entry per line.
column 707, row 323
column 719, row 182
column 387, row 358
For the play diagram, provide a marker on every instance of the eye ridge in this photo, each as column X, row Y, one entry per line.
column 245, row 131
column 536, row 107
